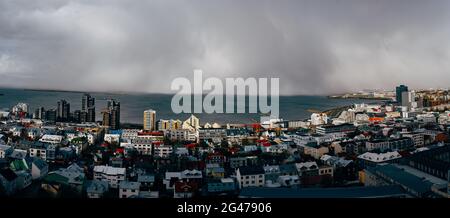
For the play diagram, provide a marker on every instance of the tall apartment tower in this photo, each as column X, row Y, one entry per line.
column 150, row 120
column 87, row 108
column 398, row 93
column 111, row 115
column 63, row 111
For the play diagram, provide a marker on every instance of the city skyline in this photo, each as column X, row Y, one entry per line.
column 314, row 47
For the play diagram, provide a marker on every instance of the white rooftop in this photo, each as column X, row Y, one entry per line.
column 109, row 170
column 380, row 157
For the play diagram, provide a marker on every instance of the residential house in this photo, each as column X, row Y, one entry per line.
column 314, row 149
column 146, row 180
column 214, row 171
column 96, row 188
column 223, row 185
column 24, row 179
column 129, row 189
column 39, row 169
column 162, row 150
column 52, row 139
column 185, row 189
column 112, row 175
column 5, row 151
column 186, row 175
column 8, row 181
column 389, row 144
column 253, row 176
column 71, row 178
column 236, row 162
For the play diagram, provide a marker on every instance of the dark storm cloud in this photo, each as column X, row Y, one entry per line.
column 315, row 47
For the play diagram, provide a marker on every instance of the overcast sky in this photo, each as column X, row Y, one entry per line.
column 314, row 47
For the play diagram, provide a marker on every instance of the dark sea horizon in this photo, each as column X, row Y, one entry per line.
column 133, row 104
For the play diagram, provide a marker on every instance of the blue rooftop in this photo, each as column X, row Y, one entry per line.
column 352, row 192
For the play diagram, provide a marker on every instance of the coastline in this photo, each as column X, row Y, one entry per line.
column 358, row 97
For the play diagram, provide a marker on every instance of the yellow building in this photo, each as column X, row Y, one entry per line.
column 149, row 120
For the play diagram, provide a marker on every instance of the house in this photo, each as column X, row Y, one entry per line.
column 116, row 162
column 39, row 169
column 370, row 159
column 212, row 134
column 112, row 175
column 343, row 170
column 143, row 145
column 24, row 179
column 146, row 180
column 181, row 152
column 236, row 162
column 70, row 179
column 185, row 189
column 45, row 151
column 96, row 188
column 307, row 168
column 33, row 133
column 314, row 149
column 288, row 170
column 188, row 175
column 8, row 181
column 216, row 158
column 288, row 181
column 281, row 175
column 19, row 165
column 311, row 174
column 18, row 154
column 182, row 135
column 224, row 185
column 112, row 138
column 162, row 150
column 391, row 174
column 253, row 176
column 389, row 144
column 129, row 189
column 5, row 151
column 272, row 172
column 52, row 139
column 215, row 171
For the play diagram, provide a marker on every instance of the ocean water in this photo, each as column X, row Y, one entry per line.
column 133, row 105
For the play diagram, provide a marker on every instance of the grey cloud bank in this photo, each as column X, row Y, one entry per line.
column 314, row 47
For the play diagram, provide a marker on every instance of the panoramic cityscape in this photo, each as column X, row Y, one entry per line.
column 110, row 108
column 396, row 145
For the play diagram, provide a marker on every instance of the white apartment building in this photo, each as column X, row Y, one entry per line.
column 163, row 150
column 143, row 146
column 250, row 176
column 112, row 138
column 53, row 139
column 182, row 135
column 129, row 134
column 319, row 119
column 112, row 175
